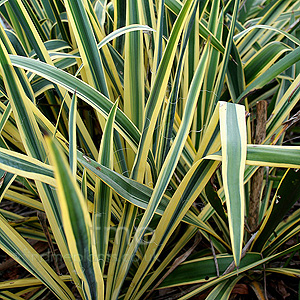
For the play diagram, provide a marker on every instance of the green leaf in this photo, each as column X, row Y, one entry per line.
column 201, row 270
column 15, row 246
column 87, row 44
column 272, row 72
column 270, row 16
column 264, row 59
column 268, row 155
column 35, row 147
column 158, row 90
column 91, row 96
column 249, row 266
column 103, row 193
column 234, row 141
column 175, row 6
column 173, row 155
column 134, row 89
column 77, row 226
column 72, row 136
column 285, row 197
column 223, row 290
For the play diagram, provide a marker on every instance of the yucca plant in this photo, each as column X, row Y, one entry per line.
column 146, row 143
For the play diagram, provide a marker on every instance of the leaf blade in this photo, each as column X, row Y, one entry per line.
column 233, row 139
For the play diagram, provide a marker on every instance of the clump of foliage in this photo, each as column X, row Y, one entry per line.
column 145, row 142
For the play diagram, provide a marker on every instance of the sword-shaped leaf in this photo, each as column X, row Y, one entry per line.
column 242, row 269
column 170, row 163
column 72, row 136
column 281, row 65
column 87, row 44
column 199, row 270
column 77, row 226
column 175, row 6
column 103, row 193
column 286, row 195
column 223, row 290
column 158, row 90
column 234, row 142
column 134, row 89
column 16, row 247
column 84, row 91
column 34, row 145
column 268, row 155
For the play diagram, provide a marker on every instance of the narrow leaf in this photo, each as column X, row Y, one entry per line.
column 77, row 226
column 233, row 139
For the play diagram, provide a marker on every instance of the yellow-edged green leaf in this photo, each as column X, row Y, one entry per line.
column 289, row 36
column 175, row 6
column 184, row 196
column 87, row 44
column 134, row 89
column 283, row 231
column 264, row 59
column 72, row 136
column 83, row 91
column 285, row 196
column 25, row 282
column 204, row 269
column 283, row 108
column 272, row 72
column 270, row 16
column 77, row 226
column 285, row 271
column 26, row 166
column 169, row 114
column 224, row 64
column 234, row 139
column 37, row 44
column 33, row 143
column 158, row 90
column 16, row 247
column 134, row 192
column 234, row 273
column 268, row 155
column 223, row 290
column 103, row 193
column 173, row 155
